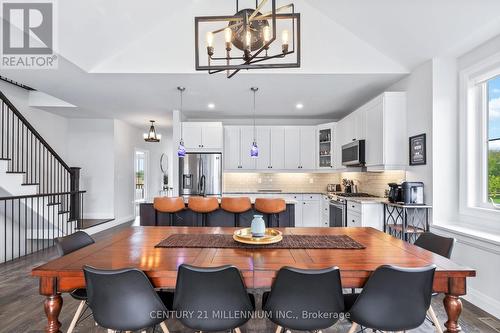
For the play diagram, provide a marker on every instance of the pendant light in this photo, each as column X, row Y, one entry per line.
column 151, row 136
column 254, row 150
column 181, row 150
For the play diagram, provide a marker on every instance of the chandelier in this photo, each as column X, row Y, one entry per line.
column 151, row 136
column 249, row 39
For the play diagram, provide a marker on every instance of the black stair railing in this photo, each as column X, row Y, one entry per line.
column 27, row 153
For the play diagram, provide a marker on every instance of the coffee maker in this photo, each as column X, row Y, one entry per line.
column 412, row 193
column 394, row 193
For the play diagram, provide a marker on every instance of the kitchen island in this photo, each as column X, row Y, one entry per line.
column 219, row 218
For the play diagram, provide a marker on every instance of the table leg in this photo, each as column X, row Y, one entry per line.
column 453, row 307
column 53, row 305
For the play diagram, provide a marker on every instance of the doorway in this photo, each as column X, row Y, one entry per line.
column 141, row 163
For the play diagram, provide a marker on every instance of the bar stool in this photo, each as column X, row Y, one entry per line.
column 203, row 205
column 168, row 205
column 270, row 207
column 236, row 206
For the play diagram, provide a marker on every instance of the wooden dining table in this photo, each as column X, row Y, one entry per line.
column 135, row 247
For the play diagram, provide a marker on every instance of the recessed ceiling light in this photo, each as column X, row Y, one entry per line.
column 211, row 105
column 299, row 105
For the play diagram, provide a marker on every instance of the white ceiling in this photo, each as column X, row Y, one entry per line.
column 124, row 59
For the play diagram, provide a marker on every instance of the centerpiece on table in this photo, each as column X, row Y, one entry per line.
column 258, row 233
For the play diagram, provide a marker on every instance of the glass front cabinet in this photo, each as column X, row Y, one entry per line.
column 325, row 151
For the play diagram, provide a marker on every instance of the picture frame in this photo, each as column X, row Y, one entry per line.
column 418, row 149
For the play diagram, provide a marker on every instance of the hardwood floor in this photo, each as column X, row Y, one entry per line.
column 21, row 308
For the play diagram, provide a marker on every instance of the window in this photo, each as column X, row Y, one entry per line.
column 493, row 139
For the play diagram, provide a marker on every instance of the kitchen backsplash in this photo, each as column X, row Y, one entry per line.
column 286, row 182
column 369, row 182
column 374, row 183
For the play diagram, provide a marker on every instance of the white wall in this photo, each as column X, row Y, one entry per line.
column 52, row 128
column 90, row 147
column 126, row 140
column 418, row 86
column 475, row 248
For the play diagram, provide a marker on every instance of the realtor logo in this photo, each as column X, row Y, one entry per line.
column 28, row 35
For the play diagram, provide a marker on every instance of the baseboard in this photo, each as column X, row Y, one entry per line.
column 108, row 225
column 483, row 301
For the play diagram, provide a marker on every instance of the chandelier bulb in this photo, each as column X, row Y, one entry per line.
column 228, row 35
column 266, row 32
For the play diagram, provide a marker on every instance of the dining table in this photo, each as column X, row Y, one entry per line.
column 135, row 247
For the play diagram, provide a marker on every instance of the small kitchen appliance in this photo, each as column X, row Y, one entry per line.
column 412, row 193
column 353, row 154
column 395, row 192
column 333, row 188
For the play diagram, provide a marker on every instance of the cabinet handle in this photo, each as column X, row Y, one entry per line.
column 353, row 139
column 353, row 206
column 352, row 221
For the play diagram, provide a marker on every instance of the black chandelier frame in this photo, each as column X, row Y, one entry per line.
column 255, row 60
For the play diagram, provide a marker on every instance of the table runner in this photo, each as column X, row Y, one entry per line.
column 288, row 242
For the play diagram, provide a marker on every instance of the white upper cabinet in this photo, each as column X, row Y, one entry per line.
column 263, row 137
column 386, row 136
column 237, row 143
column 202, row 135
column 374, row 145
column 325, row 149
column 232, row 156
column 247, row 137
column 280, row 148
column 292, row 144
column 277, row 151
column 308, row 147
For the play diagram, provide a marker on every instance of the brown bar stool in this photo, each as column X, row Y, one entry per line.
column 204, row 206
column 168, row 205
column 270, row 207
column 236, row 206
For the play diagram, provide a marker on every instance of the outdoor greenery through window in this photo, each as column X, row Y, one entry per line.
column 494, row 140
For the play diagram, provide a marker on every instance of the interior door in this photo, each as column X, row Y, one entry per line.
column 263, row 137
column 308, row 147
column 191, row 134
column 277, row 148
column 292, row 147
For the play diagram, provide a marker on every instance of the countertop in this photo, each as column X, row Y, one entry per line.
column 274, row 192
column 252, row 200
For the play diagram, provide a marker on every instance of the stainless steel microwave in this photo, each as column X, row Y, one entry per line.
column 353, row 154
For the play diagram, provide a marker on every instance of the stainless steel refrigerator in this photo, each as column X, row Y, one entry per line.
column 200, row 174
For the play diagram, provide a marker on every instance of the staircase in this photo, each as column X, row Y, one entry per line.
column 39, row 193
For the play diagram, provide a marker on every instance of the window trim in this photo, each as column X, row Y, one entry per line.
column 473, row 143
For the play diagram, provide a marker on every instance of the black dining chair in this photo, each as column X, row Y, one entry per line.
column 66, row 245
column 393, row 299
column 124, row 300
column 217, row 293
column 439, row 245
column 297, row 291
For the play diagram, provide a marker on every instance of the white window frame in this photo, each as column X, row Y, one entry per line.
column 473, row 144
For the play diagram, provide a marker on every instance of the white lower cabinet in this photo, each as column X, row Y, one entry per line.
column 310, row 213
column 365, row 214
column 325, row 211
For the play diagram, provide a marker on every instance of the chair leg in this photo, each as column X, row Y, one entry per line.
column 164, row 327
column 278, row 329
column 353, row 328
column 435, row 320
column 77, row 315
column 237, row 330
